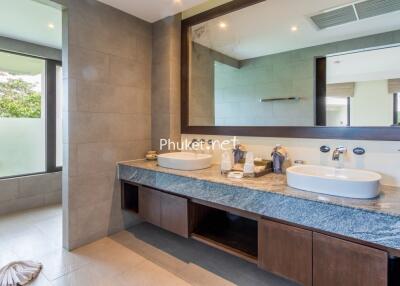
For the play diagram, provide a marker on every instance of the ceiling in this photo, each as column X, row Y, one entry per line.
column 28, row 20
column 380, row 64
column 265, row 28
column 152, row 10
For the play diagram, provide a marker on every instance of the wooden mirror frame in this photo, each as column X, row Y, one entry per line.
column 349, row 133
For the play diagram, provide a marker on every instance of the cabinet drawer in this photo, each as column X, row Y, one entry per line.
column 286, row 251
column 339, row 262
column 150, row 205
column 174, row 214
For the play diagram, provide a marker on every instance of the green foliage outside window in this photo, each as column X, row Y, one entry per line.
column 18, row 99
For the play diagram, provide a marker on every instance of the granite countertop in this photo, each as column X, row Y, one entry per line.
column 374, row 220
column 388, row 201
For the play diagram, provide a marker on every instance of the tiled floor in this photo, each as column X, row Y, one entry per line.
column 143, row 256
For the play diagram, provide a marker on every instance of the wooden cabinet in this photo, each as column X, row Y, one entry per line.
column 301, row 255
column 339, row 262
column 286, row 251
column 164, row 210
column 150, row 205
column 174, row 214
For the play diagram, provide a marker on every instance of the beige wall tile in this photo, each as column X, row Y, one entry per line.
column 143, row 49
column 107, row 98
column 7, row 207
column 88, row 127
column 127, row 72
column 21, row 193
column 90, row 188
column 8, row 189
column 29, row 202
column 88, row 64
column 53, row 198
column 70, row 101
column 165, row 80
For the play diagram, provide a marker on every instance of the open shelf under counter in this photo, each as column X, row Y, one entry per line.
column 130, row 196
column 226, row 231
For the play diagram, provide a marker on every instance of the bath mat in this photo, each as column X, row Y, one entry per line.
column 19, row 273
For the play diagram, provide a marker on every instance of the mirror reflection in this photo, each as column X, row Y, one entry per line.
column 325, row 63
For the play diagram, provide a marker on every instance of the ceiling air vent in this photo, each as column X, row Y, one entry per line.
column 371, row 8
column 335, row 17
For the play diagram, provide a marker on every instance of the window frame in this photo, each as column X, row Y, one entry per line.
column 50, row 119
column 348, row 112
column 395, row 112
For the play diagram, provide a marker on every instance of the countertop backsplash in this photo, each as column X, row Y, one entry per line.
column 381, row 156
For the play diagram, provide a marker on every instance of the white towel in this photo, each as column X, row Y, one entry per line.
column 19, row 273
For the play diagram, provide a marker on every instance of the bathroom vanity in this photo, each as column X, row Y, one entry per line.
column 309, row 238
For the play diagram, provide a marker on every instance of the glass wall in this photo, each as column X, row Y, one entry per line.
column 22, row 115
column 30, row 101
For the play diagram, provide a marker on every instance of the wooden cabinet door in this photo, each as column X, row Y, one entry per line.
column 339, row 262
column 286, row 251
column 174, row 214
column 150, row 205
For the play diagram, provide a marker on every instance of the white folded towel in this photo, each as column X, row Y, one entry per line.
column 19, row 273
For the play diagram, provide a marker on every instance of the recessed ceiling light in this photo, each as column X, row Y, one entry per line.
column 337, row 62
column 51, row 26
column 294, row 28
column 178, row 2
column 222, row 25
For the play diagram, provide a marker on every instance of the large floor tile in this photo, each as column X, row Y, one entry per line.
column 84, row 276
column 143, row 255
column 41, row 280
column 6, row 256
column 196, row 275
column 108, row 257
column 149, row 274
column 32, row 244
column 61, row 262
column 192, row 261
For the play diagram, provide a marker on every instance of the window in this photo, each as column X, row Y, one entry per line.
column 27, row 90
column 338, row 111
column 364, row 79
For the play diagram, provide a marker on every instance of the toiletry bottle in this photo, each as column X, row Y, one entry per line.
column 248, row 168
column 279, row 156
column 239, row 153
column 226, row 162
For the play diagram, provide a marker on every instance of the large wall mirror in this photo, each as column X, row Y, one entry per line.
column 318, row 69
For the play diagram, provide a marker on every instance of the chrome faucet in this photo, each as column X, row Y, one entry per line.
column 337, row 152
column 197, row 145
column 194, row 145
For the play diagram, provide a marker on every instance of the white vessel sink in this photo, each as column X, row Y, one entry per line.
column 185, row 161
column 348, row 183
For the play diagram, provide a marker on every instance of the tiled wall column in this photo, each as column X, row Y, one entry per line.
column 107, row 114
column 166, row 80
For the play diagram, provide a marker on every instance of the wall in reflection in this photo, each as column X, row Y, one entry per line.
column 226, row 92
